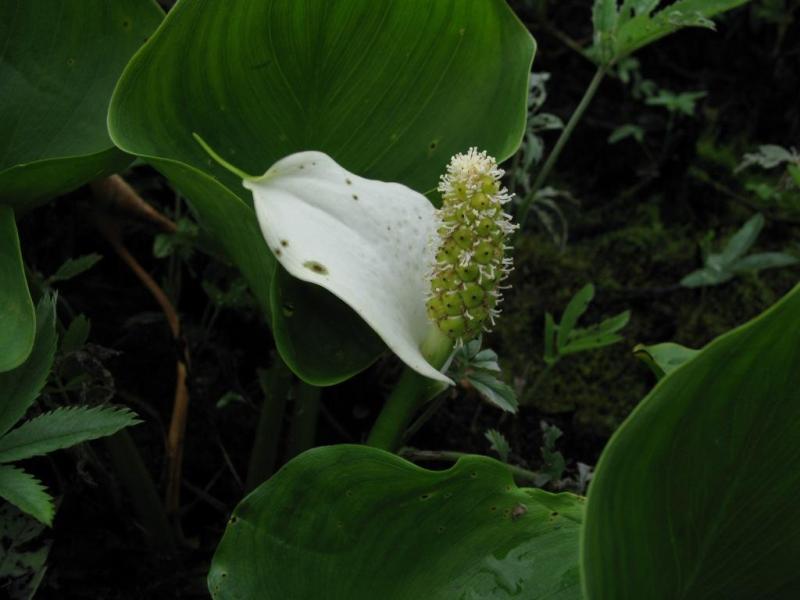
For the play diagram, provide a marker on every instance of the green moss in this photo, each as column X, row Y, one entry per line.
column 634, row 267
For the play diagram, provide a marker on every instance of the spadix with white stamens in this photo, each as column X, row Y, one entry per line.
column 370, row 243
column 470, row 261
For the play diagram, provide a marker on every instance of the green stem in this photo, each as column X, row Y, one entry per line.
column 304, row 421
column 141, row 489
column 410, row 393
column 566, row 133
column 450, row 456
column 275, row 384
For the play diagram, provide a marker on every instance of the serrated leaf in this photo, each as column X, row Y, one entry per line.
column 498, row 443
column 62, row 428
column 494, row 391
column 574, row 310
column 73, row 267
column 76, row 334
column 20, row 387
column 26, row 493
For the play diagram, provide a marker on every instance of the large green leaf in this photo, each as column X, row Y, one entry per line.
column 20, row 387
column 352, row 523
column 59, row 62
column 389, row 89
column 17, row 316
column 695, row 497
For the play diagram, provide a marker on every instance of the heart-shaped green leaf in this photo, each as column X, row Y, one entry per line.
column 390, row 90
column 353, row 523
column 17, row 315
column 695, row 497
column 59, row 63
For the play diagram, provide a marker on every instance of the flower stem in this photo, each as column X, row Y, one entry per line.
column 303, row 430
column 275, row 384
column 566, row 133
column 410, row 393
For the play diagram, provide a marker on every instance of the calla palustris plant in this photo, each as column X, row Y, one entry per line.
column 423, row 279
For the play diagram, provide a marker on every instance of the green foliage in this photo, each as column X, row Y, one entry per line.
column 268, row 91
column 27, row 493
column 498, row 444
column 73, row 267
column 553, row 461
column 357, row 523
column 628, row 130
column 76, row 334
column 479, row 368
column 664, row 358
column 20, row 387
column 17, row 315
column 692, row 497
column 684, row 103
column 61, row 60
column 734, row 260
column 182, row 242
column 564, row 338
column 621, row 30
column 58, row 429
column 22, row 554
column 62, row 428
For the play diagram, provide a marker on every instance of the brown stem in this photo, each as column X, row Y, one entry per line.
column 177, row 429
column 117, row 192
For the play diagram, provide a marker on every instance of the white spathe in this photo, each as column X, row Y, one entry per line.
column 368, row 242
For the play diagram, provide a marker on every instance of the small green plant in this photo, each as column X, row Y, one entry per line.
column 720, row 267
column 565, row 338
column 479, row 369
column 53, row 430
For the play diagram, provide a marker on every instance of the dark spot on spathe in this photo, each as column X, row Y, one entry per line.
column 316, row 267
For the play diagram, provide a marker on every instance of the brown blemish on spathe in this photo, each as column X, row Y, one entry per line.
column 316, row 267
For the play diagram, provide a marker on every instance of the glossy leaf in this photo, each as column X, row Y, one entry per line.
column 17, row 315
column 695, row 496
column 352, row 522
column 390, row 90
column 20, row 387
column 59, row 63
